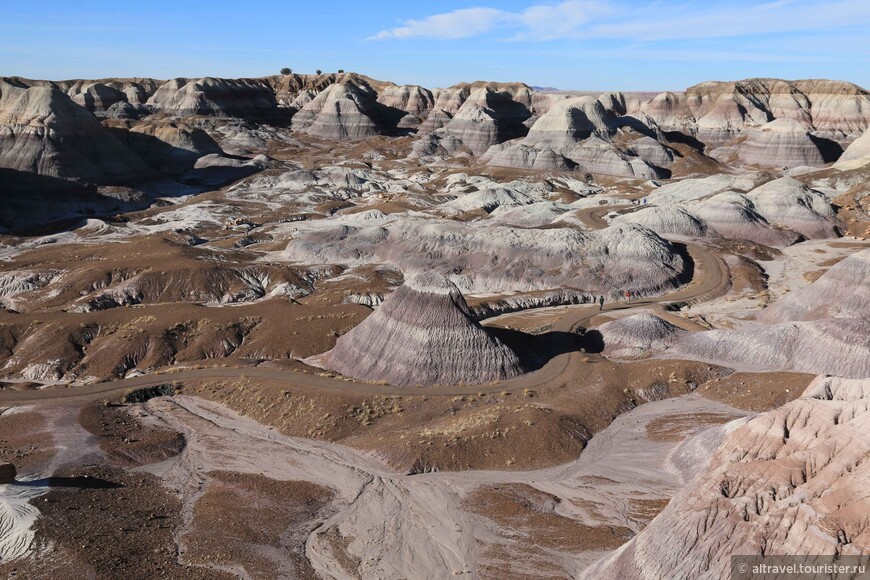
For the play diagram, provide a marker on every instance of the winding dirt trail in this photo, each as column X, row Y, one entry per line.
column 593, row 217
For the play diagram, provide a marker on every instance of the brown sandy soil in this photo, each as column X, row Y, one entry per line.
column 98, row 530
column 125, row 439
column 338, row 547
column 531, row 527
column 105, row 344
column 362, row 279
column 756, row 391
column 678, row 428
column 644, row 510
column 816, row 274
column 854, row 211
column 692, row 162
column 25, row 440
column 747, row 249
column 528, row 429
column 255, row 526
column 747, row 276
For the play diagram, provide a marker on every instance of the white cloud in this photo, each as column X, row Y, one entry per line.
column 538, row 22
column 450, row 25
column 548, row 22
column 689, row 22
column 657, row 21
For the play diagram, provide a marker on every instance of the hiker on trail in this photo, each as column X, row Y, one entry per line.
column 601, row 302
column 644, row 201
column 628, row 296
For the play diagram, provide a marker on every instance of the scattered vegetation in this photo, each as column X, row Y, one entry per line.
column 147, row 393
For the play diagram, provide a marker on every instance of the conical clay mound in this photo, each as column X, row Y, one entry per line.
column 423, row 334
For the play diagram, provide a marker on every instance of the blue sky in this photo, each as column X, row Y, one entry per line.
column 574, row 44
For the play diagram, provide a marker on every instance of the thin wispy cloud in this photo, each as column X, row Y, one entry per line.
column 691, row 22
column 589, row 19
column 450, row 25
column 542, row 21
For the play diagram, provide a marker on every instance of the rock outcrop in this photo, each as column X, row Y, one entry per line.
column 733, row 215
column 580, row 134
column 783, row 142
column 250, row 99
column 42, row 131
column 486, row 118
column 778, row 213
column 422, row 334
column 793, row 481
column 638, row 336
column 475, row 116
column 414, row 100
column 787, row 203
column 98, row 97
column 449, row 101
column 717, row 113
column 667, row 220
column 836, row 346
column 169, row 147
column 856, row 155
column 841, row 292
column 346, row 110
column 823, row 328
column 498, row 259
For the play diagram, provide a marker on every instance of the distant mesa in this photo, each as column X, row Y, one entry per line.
column 581, row 134
column 108, row 136
column 422, row 334
column 717, row 112
column 250, row 99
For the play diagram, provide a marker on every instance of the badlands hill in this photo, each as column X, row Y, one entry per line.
column 822, row 328
column 423, row 334
column 717, row 112
column 44, row 132
column 842, row 292
column 757, row 122
column 776, row 213
column 789, row 481
column 295, row 254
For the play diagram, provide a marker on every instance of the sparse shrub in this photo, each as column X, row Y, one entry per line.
column 144, row 394
column 286, row 71
column 341, row 71
column 318, row 71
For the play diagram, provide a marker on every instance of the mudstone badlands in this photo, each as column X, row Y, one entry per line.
column 325, row 326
